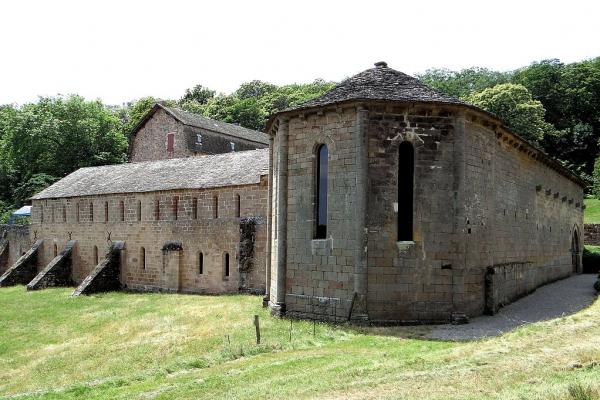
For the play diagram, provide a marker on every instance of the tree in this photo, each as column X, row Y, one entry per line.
column 198, row 94
column 54, row 137
column 514, row 105
column 33, row 185
column 464, row 82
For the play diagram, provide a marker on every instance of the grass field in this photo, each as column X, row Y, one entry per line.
column 146, row 346
column 592, row 211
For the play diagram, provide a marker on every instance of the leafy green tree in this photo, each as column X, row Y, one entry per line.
column 33, row 185
column 514, row 105
column 198, row 94
column 464, row 82
column 56, row 136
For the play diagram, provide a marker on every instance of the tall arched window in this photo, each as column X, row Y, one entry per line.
column 139, row 210
column 238, row 204
column 200, row 263
column 321, row 192
column 106, row 211
column 406, row 172
column 91, row 211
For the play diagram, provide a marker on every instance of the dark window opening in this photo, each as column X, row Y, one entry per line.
column 91, row 212
column 64, row 213
column 170, row 144
column 237, row 205
column 106, row 211
column 55, row 250
column 406, row 172
column 321, row 192
column 216, row 206
column 157, row 210
column 200, row 263
column 77, row 212
column 42, row 214
column 52, row 209
column 96, row 255
column 194, row 208
column 143, row 258
column 139, row 210
column 175, row 205
column 122, row 210
column 226, row 264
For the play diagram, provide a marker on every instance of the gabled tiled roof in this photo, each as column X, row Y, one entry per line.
column 198, row 121
column 380, row 83
column 231, row 169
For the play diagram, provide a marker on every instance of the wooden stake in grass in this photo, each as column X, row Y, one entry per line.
column 291, row 326
column 257, row 325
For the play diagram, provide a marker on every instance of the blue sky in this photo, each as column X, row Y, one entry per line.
column 122, row 50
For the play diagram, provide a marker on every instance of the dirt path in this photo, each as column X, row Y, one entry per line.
column 551, row 301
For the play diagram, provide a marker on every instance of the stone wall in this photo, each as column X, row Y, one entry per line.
column 204, row 221
column 150, row 142
column 591, row 234
column 518, row 211
column 15, row 240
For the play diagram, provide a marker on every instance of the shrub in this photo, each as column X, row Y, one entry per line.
column 591, row 259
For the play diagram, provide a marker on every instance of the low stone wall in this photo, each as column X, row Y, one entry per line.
column 591, row 234
column 505, row 283
column 14, row 242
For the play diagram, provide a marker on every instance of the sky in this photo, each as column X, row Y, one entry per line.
column 122, row 50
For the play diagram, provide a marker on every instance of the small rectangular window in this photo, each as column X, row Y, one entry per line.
column 226, row 266
column 216, row 206
column 157, row 210
column 199, row 139
column 91, row 211
column 232, row 146
column 175, row 207
column 106, row 211
column 139, row 210
column 195, row 208
column 122, row 210
column 200, row 263
column 170, row 144
column 237, row 205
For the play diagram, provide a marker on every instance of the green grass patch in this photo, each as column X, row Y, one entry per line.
column 143, row 346
column 591, row 214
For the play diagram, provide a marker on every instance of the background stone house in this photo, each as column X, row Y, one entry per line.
column 393, row 202
column 168, row 132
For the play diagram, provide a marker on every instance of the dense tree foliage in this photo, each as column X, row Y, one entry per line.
column 569, row 93
column 515, row 106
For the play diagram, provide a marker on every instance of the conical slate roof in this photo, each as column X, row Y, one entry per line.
column 380, row 83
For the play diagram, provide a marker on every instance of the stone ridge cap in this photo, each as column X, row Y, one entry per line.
column 562, row 169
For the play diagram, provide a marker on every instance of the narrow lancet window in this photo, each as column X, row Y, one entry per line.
column 200, row 263
column 406, row 172
column 321, row 192
column 226, row 266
